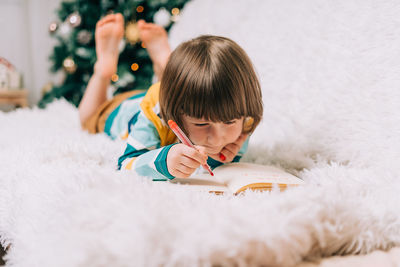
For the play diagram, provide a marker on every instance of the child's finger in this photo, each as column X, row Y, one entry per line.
column 228, row 154
column 179, row 174
column 195, row 154
column 201, row 149
column 189, row 162
column 185, row 169
column 241, row 139
column 232, row 148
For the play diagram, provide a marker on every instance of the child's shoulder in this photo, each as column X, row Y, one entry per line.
column 151, row 108
column 152, row 97
column 153, row 92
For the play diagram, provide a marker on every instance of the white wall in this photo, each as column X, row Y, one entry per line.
column 25, row 40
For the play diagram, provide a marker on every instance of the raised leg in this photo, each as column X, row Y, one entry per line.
column 155, row 39
column 108, row 34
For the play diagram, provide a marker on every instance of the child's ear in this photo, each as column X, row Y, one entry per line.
column 248, row 124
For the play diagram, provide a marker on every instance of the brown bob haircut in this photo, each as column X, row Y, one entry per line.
column 211, row 78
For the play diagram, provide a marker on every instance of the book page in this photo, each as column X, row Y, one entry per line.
column 202, row 182
column 235, row 177
column 238, row 175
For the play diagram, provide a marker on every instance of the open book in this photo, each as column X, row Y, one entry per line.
column 235, row 178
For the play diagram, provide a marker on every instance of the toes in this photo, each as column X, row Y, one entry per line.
column 155, row 28
column 141, row 24
column 106, row 19
column 119, row 18
column 145, row 25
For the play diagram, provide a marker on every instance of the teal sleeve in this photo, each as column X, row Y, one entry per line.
column 143, row 137
column 143, row 153
column 153, row 164
column 243, row 149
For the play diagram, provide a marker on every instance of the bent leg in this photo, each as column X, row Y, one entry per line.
column 155, row 39
column 108, row 34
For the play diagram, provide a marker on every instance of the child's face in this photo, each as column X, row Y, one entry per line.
column 212, row 135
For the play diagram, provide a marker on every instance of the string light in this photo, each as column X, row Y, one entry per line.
column 175, row 11
column 175, row 14
column 140, row 9
column 114, row 78
column 69, row 65
column 132, row 34
column 53, row 27
column 74, row 19
column 134, row 66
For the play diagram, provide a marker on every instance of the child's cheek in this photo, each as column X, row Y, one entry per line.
column 236, row 133
column 198, row 136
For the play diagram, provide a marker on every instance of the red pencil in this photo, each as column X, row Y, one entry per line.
column 185, row 140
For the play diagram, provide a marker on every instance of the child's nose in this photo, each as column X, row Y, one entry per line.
column 216, row 136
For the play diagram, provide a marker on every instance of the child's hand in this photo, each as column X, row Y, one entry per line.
column 183, row 160
column 230, row 151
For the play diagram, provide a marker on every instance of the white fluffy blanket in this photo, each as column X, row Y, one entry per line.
column 330, row 73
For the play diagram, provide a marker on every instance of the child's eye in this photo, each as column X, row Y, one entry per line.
column 201, row 124
column 230, row 122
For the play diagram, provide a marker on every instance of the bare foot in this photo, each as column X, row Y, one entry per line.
column 155, row 39
column 108, row 34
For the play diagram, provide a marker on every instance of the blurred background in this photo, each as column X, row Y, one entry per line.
column 26, row 42
column 48, row 50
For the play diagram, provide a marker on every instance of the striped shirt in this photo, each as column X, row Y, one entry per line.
column 148, row 138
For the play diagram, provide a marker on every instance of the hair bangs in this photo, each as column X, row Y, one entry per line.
column 210, row 78
column 211, row 96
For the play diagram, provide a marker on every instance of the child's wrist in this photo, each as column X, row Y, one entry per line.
column 100, row 74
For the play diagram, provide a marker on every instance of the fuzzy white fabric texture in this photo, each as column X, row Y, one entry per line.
column 330, row 74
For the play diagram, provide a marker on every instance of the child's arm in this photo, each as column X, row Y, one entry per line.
column 176, row 160
column 143, row 152
column 144, row 155
column 183, row 160
column 145, row 162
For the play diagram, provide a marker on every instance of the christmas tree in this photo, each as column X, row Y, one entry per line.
column 75, row 55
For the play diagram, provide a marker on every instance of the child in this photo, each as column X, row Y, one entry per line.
column 208, row 87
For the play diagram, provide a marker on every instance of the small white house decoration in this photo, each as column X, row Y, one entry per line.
column 10, row 78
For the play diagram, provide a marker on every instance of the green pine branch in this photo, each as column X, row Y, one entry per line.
column 84, row 55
